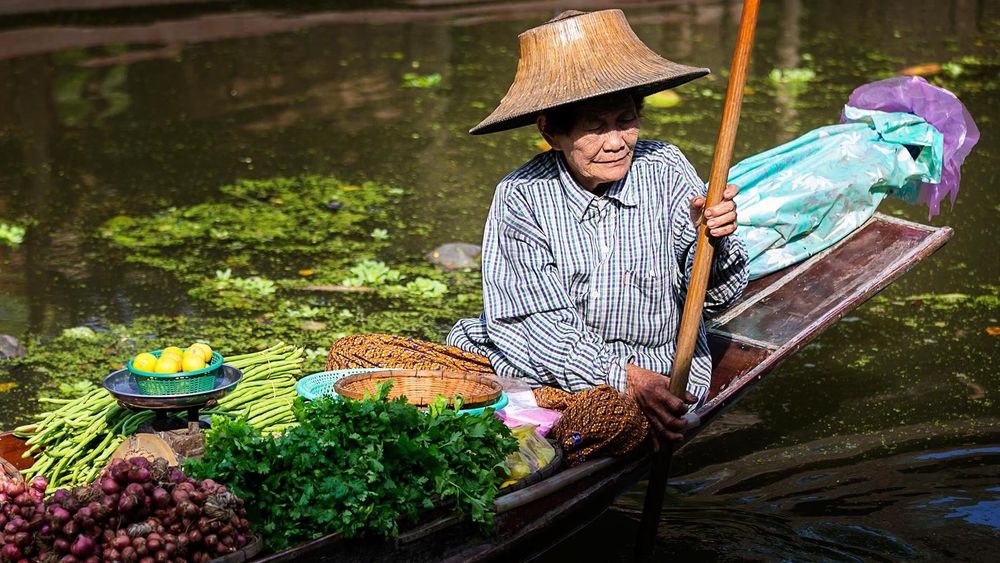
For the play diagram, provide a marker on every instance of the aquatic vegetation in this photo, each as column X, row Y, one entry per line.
column 427, row 288
column 79, row 332
column 792, row 75
column 371, row 273
column 11, row 235
column 309, row 217
column 414, row 80
column 248, row 261
column 254, row 284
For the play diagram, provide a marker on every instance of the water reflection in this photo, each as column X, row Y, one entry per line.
column 809, row 502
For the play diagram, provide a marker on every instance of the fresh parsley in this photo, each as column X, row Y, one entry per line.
column 359, row 468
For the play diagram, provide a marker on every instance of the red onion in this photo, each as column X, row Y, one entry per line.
column 110, row 486
column 59, row 515
column 161, row 497
column 10, row 552
column 134, row 489
column 121, row 542
column 139, row 461
column 39, row 483
column 61, row 545
column 83, row 547
column 119, row 471
column 127, row 503
column 83, row 514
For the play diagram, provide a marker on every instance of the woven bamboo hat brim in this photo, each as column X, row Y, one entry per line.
column 577, row 56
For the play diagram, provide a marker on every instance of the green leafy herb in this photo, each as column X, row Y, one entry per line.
column 358, row 467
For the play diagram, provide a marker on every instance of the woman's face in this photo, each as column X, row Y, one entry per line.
column 598, row 147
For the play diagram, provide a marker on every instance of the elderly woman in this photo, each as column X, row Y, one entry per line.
column 588, row 247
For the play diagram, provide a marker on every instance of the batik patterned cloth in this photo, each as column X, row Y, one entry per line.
column 596, row 422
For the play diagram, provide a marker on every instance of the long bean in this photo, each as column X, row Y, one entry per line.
column 72, row 442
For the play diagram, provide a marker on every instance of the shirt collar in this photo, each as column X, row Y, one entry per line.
column 580, row 200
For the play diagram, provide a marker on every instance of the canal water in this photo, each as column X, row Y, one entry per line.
column 880, row 441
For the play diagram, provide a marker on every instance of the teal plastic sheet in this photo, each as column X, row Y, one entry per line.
column 802, row 197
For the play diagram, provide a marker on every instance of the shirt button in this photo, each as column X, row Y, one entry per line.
column 594, row 294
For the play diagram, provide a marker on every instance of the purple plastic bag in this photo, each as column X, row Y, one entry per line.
column 940, row 108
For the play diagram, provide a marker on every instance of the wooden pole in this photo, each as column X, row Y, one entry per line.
column 687, row 334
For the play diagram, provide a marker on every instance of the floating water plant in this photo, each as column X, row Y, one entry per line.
column 426, row 288
column 792, row 75
column 11, row 235
column 414, row 80
column 371, row 273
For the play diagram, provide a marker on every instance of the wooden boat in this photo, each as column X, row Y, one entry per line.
column 778, row 315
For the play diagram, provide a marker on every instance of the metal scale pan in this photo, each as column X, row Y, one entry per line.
column 122, row 385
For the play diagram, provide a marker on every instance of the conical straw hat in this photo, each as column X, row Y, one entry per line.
column 577, row 56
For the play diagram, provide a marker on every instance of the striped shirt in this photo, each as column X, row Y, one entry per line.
column 576, row 286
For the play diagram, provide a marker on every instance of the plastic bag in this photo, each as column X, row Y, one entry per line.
column 533, row 453
column 802, row 197
column 523, row 410
column 940, row 108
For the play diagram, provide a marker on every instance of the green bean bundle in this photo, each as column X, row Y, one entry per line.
column 266, row 393
column 72, row 443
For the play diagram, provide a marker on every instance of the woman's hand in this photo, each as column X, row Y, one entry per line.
column 721, row 217
column 663, row 409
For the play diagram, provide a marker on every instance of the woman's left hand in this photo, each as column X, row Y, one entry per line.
column 721, row 217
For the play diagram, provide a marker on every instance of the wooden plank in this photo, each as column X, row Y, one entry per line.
column 778, row 308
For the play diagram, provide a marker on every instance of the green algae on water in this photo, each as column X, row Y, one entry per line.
column 271, row 260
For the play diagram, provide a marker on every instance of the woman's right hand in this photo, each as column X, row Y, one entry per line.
column 665, row 411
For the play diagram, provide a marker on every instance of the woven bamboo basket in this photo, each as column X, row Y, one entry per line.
column 422, row 386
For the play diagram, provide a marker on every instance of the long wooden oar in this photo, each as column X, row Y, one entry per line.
column 687, row 334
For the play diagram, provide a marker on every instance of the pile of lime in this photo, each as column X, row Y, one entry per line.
column 174, row 360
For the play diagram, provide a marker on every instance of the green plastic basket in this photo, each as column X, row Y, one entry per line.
column 184, row 383
column 316, row 385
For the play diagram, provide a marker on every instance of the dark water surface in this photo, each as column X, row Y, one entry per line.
column 881, row 441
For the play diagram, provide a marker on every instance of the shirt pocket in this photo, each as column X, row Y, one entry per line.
column 649, row 308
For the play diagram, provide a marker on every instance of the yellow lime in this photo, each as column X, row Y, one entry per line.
column 204, row 349
column 192, row 362
column 173, row 351
column 167, row 365
column 144, row 362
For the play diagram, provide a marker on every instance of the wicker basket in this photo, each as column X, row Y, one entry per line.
column 421, row 387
